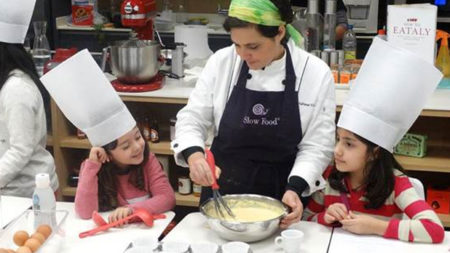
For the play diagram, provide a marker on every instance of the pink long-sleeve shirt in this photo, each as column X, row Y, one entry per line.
column 157, row 197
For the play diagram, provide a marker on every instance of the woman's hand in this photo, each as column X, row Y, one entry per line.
column 98, row 154
column 291, row 199
column 120, row 213
column 335, row 212
column 199, row 169
column 364, row 224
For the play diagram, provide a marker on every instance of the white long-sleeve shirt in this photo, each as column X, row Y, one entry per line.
column 23, row 134
column 316, row 103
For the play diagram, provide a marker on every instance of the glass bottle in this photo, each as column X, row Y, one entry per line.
column 41, row 48
column 349, row 44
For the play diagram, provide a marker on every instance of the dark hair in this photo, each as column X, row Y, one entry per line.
column 107, row 187
column 379, row 178
column 14, row 56
column 286, row 14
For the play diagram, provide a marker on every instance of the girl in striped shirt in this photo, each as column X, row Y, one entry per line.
column 366, row 191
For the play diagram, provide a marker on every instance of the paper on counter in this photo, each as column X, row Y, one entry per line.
column 343, row 241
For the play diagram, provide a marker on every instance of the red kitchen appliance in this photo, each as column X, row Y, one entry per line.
column 138, row 15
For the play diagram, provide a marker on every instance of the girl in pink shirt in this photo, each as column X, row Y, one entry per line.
column 121, row 176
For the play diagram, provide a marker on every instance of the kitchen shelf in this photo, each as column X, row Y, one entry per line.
column 436, row 160
column 49, row 140
column 445, row 219
column 426, row 112
column 160, row 148
column 187, row 200
column 69, row 191
column 181, row 200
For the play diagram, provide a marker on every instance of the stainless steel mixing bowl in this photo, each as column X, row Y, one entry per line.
column 244, row 231
column 135, row 61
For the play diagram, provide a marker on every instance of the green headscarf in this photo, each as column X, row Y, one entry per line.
column 262, row 12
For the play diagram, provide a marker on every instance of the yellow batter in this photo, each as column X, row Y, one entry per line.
column 248, row 211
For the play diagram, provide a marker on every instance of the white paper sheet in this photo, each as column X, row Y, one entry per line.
column 343, row 241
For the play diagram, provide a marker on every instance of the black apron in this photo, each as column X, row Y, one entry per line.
column 258, row 136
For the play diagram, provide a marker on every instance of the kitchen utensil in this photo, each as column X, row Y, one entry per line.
column 133, row 61
column 98, row 219
column 142, row 214
column 244, row 231
column 218, row 200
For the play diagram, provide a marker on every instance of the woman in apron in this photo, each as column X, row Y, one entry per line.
column 271, row 108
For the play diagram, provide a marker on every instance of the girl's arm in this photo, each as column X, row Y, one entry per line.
column 315, row 210
column 162, row 195
column 423, row 226
column 86, row 198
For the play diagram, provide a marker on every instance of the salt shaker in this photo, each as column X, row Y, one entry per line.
column 178, row 59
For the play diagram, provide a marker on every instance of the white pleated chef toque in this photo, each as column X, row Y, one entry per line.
column 15, row 17
column 388, row 95
column 87, row 99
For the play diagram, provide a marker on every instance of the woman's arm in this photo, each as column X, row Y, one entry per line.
column 86, row 198
column 162, row 195
column 196, row 118
column 315, row 151
column 424, row 225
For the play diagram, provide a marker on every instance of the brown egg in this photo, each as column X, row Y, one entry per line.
column 20, row 237
column 24, row 249
column 45, row 230
column 39, row 236
column 33, row 244
column 11, row 251
column 3, row 250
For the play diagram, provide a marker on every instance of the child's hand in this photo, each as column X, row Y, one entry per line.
column 364, row 224
column 120, row 213
column 99, row 155
column 335, row 212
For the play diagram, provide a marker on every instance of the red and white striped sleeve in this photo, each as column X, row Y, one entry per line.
column 423, row 224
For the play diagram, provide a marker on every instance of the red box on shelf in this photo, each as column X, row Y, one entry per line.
column 439, row 200
column 83, row 15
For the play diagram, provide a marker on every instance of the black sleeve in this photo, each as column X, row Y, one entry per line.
column 189, row 151
column 297, row 184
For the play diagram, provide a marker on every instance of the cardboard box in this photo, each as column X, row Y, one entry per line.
column 83, row 15
column 413, row 27
column 439, row 200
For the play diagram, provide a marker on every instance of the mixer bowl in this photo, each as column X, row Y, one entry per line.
column 135, row 61
column 244, row 231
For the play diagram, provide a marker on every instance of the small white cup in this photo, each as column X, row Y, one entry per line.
column 145, row 241
column 235, row 247
column 204, row 247
column 290, row 240
column 175, row 247
column 139, row 249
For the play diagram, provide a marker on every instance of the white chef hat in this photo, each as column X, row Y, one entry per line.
column 388, row 95
column 15, row 17
column 88, row 100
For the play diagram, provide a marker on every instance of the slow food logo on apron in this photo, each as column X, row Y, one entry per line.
column 259, row 113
